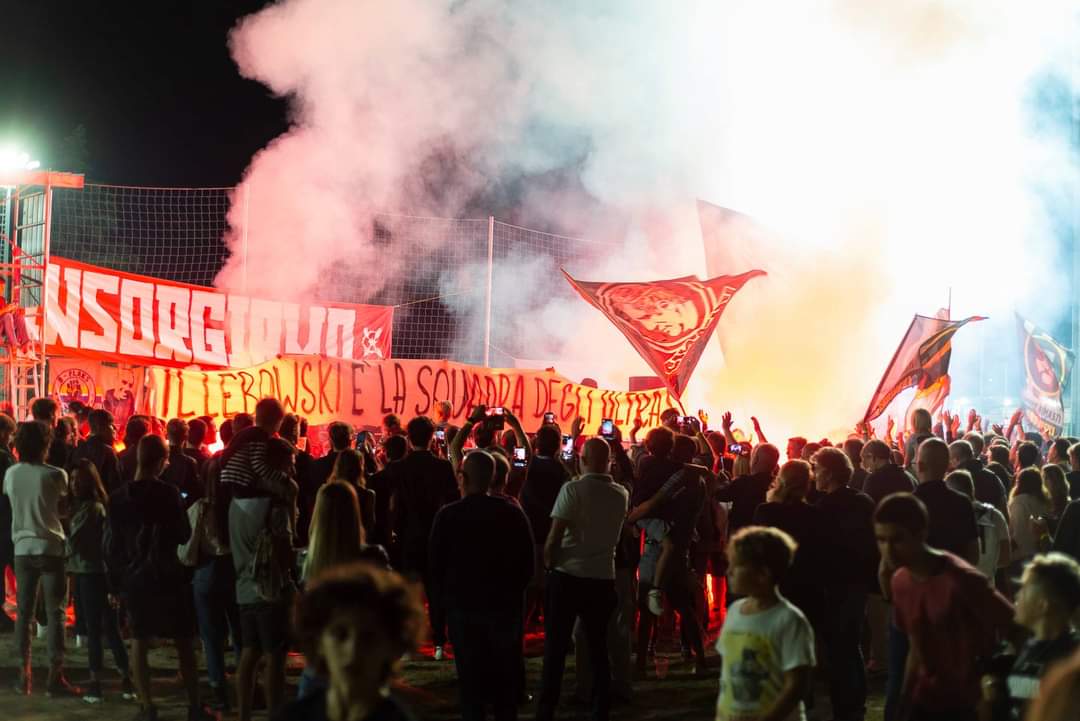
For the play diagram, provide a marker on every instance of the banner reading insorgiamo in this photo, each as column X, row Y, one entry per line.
column 361, row 392
column 109, row 315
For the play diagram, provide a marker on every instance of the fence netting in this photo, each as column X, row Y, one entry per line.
column 438, row 283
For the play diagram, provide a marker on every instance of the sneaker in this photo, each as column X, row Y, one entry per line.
column 61, row 688
column 439, row 653
column 127, row 689
column 22, row 686
column 93, row 693
column 656, row 603
column 42, row 630
column 201, row 713
column 146, row 713
column 80, row 641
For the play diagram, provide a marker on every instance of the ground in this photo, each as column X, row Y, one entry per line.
column 670, row 690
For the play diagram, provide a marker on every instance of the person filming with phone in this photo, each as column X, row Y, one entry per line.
column 544, row 478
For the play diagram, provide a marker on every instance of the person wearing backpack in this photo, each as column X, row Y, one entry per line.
column 147, row 524
column 38, row 494
column 995, row 545
column 261, row 525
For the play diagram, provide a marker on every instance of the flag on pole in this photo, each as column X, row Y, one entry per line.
column 1047, row 364
column 921, row 361
column 667, row 321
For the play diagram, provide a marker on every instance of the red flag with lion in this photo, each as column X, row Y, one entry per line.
column 667, row 321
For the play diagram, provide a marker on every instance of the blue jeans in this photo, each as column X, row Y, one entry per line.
column 214, row 587
column 842, row 624
column 487, row 654
column 898, row 651
column 101, row 622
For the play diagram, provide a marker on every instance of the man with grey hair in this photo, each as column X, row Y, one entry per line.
column 988, row 487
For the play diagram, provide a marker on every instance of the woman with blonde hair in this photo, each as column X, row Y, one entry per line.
column 1057, row 489
column 336, row 538
column 741, row 465
column 1028, row 508
column 349, row 468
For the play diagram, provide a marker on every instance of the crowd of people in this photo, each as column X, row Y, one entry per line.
column 893, row 556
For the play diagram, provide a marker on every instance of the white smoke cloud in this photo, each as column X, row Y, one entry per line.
column 890, row 145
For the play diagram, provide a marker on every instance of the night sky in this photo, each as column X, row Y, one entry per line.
column 133, row 93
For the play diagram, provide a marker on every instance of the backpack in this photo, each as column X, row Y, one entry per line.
column 270, row 566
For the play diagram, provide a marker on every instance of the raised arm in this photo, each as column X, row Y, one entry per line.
column 458, row 443
column 758, row 431
column 725, row 422
column 519, row 433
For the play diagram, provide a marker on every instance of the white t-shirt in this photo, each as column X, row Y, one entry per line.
column 993, row 529
column 757, row 650
column 35, row 490
column 594, row 508
column 1021, row 508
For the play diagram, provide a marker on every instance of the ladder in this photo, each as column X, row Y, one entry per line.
column 24, row 260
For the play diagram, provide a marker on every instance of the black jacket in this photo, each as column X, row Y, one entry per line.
column 988, row 487
column 544, row 479
column 745, row 494
column 104, row 459
column 888, row 480
column 480, row 556
column 425, row 484
column 850, row 545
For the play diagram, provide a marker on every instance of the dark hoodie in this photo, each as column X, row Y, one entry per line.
column 888, row 480
column 988, row 487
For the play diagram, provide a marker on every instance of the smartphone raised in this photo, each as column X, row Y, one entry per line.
column 607, row 429
column 567, row 447
column 519, row 457
column 496, row 417
column 440, row 434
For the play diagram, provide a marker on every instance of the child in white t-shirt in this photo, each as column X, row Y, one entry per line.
column 766, row 644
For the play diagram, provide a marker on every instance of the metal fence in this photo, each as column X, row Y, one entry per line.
column 467, row 296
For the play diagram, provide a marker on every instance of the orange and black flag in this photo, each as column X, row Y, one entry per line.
column 667, row 321
column 921, row 361
column 1046, row 364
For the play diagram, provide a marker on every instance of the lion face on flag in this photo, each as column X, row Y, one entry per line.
column 660, row 312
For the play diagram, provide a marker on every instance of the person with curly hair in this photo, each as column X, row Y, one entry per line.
column 355, row 622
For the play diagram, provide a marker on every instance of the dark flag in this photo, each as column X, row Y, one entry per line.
column 1047, row 364
column 667, row 321
column 921, row 361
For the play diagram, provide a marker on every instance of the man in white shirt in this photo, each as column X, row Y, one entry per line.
column 37, row 491
column 579, row 553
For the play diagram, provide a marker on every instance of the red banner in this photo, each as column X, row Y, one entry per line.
column 667, row 321
column 95, row 312
column 921, row 361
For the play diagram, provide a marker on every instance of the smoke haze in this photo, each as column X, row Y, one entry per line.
column 891, row 150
